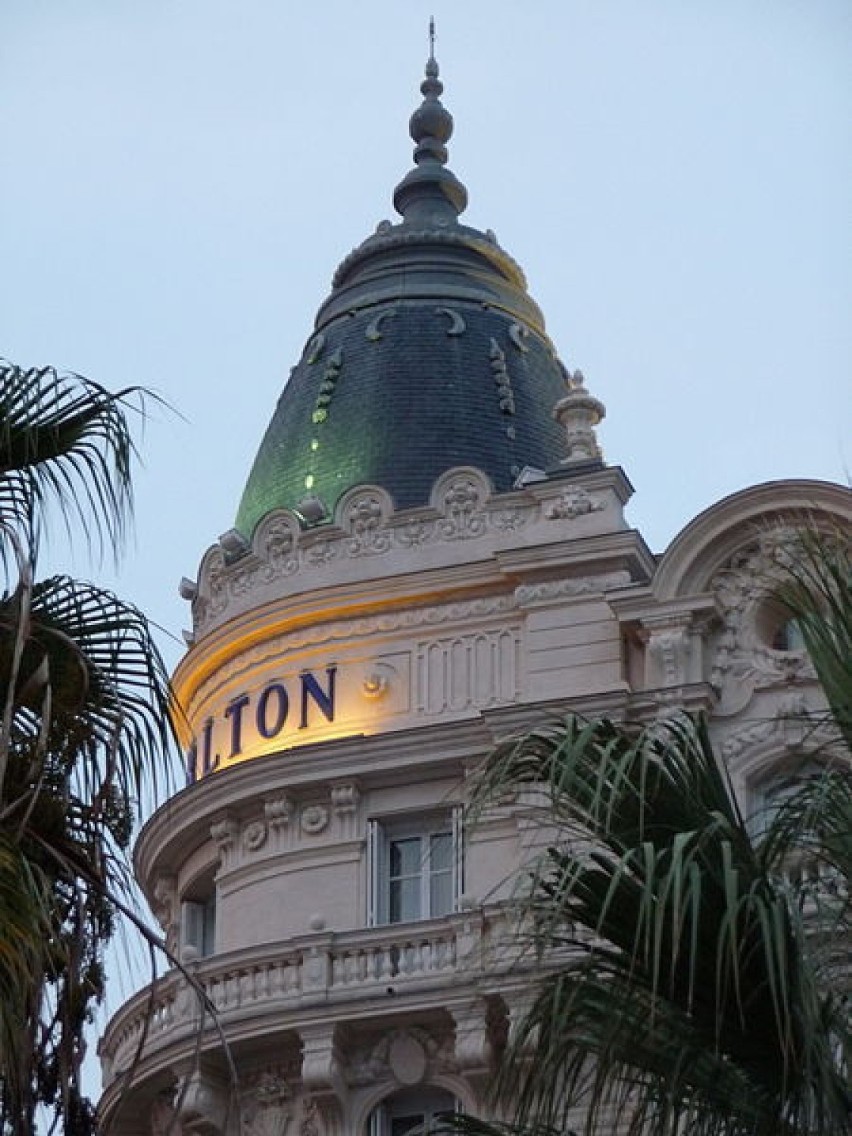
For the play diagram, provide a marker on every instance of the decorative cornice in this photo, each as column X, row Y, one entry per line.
column 464, row 515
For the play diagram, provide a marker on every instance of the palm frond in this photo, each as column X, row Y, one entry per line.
column 682, row 991
column 92, row 667
column 65, row 443
column 816, row 590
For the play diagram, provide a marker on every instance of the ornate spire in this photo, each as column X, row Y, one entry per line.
column 430, row 194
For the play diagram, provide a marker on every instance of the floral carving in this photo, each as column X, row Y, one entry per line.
column 254, row 835
column 322, row 552
column 414, row 533
column 464, row 518
column 314, row 819
column 364, row 517
column 279, row 547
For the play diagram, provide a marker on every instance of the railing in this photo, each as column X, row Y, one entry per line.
column 344, row 966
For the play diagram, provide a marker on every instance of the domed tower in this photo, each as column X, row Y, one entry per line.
column 429, row 555
column 419, row 565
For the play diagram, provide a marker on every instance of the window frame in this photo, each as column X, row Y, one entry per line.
column 382, row 832
column 198, row 924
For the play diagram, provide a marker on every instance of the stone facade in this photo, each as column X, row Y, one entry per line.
column 511, row 610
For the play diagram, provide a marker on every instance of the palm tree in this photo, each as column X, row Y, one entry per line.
column 694, row 980
column 86, row 724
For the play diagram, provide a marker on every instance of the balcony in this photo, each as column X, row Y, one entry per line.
column 347, row 969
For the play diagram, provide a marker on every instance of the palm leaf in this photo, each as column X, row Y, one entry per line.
column 64, row 442
column 816, row 590
column 90, row 663
column 683, row 992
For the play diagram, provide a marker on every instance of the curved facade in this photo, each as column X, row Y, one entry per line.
column 361, row 640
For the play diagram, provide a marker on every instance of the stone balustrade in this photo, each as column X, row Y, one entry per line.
column 274, row 978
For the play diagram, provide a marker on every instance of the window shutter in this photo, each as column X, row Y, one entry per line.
column 374, row 835
column 458, row 855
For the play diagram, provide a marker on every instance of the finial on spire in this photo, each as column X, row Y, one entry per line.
column 431, row 127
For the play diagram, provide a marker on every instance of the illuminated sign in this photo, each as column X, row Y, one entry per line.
column 266, row 715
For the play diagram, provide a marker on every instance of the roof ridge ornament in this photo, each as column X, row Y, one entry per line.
column 430, row 194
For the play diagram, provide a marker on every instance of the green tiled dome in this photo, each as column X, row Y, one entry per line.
column 429, row 353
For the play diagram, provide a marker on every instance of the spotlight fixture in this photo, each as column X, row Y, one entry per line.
column 233, row 543
column 312, row 509
column 187, row 589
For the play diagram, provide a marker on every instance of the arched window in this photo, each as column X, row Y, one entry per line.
column 405, row 1111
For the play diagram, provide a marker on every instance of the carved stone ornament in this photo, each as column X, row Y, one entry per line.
column 278, row 810
column 314, row 819
column 791, row 728
column 579, row 413
column 547, row 592
column 277, row 538
column 407, row 1059
column 518, row 332
column 668, row 648
column 364, row 517
column 224, row 831
column 344, row 797
column 165, row 906
column 163, row 1120
column 744, row 660
column 373, row 333
column 254, row 835
column 315, row 348
column 502, row 379
column 574, row 503
column 464, row 516
column 266, row 1105
column 457, row 324
column 364, row 526
column 408, row 1055
column 310, row 1125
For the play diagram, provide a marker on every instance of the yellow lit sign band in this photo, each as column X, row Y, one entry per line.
column 256, row 720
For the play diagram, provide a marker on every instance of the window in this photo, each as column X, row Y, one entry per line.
column 405, row 1111
column 198, row 924
column 769, row 795
column 788, row 637
column 415, row 867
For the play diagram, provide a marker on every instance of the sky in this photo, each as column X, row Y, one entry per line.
column 181, row 178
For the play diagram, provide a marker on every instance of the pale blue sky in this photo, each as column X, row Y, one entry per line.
column 182, row 177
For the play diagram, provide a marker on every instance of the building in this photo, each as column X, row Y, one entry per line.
column 430, row 555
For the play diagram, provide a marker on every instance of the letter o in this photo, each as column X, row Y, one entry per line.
column 265, row 728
